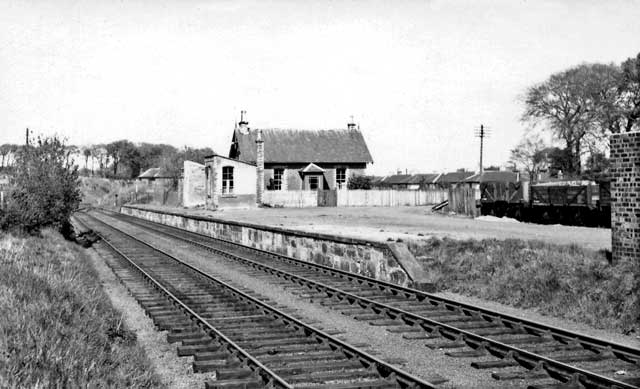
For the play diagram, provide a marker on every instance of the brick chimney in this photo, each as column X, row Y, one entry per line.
column 259, row 167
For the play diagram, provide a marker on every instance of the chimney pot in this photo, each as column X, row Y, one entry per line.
column 243, row 125
column 351, row 125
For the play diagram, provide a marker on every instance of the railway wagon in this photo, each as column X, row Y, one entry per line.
column 570, row 202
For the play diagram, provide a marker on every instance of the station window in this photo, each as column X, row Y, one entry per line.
column 341, row 177
column 227, row 179
column 313, row 182
column 278, row 175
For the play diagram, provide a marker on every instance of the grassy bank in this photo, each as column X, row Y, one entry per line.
column 57, row 326
column 563, row 281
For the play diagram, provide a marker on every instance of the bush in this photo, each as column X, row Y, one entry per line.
column 359, row 182
column 57, row 326
column 46, row 188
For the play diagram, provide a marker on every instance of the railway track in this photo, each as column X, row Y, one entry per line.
column 245, row 340
column 545, row 355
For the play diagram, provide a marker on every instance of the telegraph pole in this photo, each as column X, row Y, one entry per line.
column 27, row 137
column 482, row 133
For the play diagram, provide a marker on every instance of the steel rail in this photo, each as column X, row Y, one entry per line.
column 529, row 360
column 269, row 377
column 386, row 370
column 621, row 351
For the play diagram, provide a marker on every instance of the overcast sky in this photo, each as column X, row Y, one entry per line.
column 418, row 76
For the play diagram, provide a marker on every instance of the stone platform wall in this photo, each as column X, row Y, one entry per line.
column 387, row 262
column 625, row 196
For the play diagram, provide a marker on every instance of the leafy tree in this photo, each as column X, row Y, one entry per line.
column 173, row 163
column 596, row 166
column 117, row 151
column 630, row 94
column 46, row 188
column 559, row 160
column 528, row 155
column 571, row 103
column 86, row 152
column 5, row 151
column 100, row 154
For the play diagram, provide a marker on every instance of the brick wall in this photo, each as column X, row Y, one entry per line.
column 625, row 196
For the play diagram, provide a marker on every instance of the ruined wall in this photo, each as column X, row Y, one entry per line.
column 625, row 196
column 386, row 262
column 193, row 186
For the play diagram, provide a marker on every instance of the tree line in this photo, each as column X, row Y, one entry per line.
column 119, row 159
column 580, row 108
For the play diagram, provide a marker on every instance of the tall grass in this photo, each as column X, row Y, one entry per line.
column 57, row 327
column 563, row 281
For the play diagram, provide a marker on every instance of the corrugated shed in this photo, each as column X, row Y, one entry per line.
column 290, row 146
column 494, row 176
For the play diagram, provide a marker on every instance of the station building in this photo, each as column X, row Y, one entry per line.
column 283, row 160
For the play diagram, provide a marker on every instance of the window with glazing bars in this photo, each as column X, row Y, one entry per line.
column 341, row 177
column 277, row 179
column 227, row 179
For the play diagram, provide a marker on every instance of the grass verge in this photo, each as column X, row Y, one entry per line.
column 562, row 281
column 57, row 326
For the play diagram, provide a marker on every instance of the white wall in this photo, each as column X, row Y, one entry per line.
column 244, row 176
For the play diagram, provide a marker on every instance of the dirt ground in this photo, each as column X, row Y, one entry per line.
column 377, row 223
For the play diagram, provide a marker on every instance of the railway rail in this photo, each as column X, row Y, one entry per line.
column 245, row 340
column 522, row 349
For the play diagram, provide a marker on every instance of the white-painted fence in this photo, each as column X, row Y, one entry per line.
column 355, row 198
column 290, row 198
column 390, row 198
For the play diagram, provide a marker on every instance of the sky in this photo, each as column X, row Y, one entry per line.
column 417, row 76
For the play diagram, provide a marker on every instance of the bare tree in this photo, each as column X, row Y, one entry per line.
column 529, row 155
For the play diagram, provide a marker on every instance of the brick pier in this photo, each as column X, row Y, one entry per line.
column 625, row 196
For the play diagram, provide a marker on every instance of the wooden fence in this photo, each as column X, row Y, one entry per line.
column 353, row 198
column 390, row 198
column 462, row 200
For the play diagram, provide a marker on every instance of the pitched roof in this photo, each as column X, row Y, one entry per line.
column 494, row 176
column 337, row 146
column 312, row 168
column 423, row 178
column 408, row 179
column 155, row 172
column 397, row 179
column 454, row 177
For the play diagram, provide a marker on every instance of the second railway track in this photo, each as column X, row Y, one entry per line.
column 246, row 341
column 571, row 359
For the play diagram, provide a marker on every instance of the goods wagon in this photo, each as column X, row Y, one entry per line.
column 576, row 202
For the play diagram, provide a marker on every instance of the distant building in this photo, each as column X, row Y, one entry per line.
column 452, row 179
column 494, row 176
column 304, row 159
column 408, row 181
column 156, row 175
